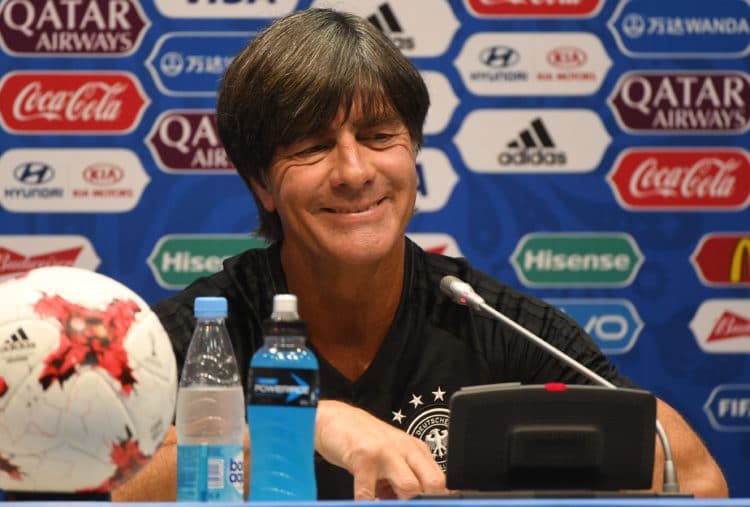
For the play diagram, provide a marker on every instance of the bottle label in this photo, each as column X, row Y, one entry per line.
column 210, row 473
column 283, row 386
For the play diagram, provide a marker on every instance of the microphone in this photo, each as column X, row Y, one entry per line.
column 464, row 294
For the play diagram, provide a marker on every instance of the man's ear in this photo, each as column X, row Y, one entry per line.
column 264, row 195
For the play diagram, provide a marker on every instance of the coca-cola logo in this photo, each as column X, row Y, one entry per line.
column 62, row 27
column 555, row 8
column 716, row 102
column 188, row 141
column 71, row 102
column 103, row 174
column 12, row 262
column 686, row 179
column 567, row 57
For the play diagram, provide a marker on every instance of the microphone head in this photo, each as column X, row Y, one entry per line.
column 460, row 292
column 447, row 283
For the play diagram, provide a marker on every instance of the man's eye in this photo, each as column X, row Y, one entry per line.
column 310, row 150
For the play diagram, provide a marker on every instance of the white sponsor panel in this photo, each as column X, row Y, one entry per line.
column 19, row 254
column 436, row 242
column 532, row 140
column 728, row 407
column 443, row 101
column 225, row 9
column 405, row 22
column 722, row 326
column 533, row 63
column 71, row 180
column 437, row 179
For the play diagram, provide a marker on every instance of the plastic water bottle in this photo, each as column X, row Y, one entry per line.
column 210, row 420
column 283, row 399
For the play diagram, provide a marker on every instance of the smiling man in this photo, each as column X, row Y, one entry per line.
column 322, row 117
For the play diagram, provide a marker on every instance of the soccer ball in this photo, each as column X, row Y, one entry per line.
column 88, row 382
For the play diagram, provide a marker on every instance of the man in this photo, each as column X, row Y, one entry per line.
column 322, row 116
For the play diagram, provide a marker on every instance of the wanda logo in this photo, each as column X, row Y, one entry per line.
column 682, row 179
column 553, row 8
column 71, row 102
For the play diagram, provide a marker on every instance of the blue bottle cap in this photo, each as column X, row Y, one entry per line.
column 210, row 307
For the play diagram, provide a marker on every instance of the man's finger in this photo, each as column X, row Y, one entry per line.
column 427, row 471
column 365, row 478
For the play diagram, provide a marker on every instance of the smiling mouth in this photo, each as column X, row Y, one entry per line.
column 353, row 210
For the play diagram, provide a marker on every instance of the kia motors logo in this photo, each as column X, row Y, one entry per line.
column 103, row 174
column 681, row 179
column 33, row 173
column 71, row 102
column 528, row 8
column 62, row 27
column 188, row 141
column 723, row 259
column 682, row 101
column 567, row 57
column 722, row 326
column 499, row 56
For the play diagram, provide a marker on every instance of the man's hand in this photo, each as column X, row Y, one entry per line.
column 385, row 461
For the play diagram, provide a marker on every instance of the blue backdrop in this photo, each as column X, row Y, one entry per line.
column 591, row 152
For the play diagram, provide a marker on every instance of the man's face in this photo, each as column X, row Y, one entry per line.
column 347, row 193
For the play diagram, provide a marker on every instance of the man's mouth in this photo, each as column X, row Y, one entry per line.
column 354, row 209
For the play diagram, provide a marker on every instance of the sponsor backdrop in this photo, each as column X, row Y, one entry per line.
column 592, row 152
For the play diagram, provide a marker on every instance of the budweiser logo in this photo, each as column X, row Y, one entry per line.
column 71, row 102
column 12, row 262
column 730, row 325
column 686, row 179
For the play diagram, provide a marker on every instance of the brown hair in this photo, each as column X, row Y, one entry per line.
column 290, row 81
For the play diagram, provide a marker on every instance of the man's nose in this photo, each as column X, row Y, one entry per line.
column 351, row 167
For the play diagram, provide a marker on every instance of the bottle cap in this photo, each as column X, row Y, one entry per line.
column 284, row 303
column 210, row 307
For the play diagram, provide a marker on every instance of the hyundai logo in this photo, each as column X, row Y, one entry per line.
column 499, row 56
column 33, row 173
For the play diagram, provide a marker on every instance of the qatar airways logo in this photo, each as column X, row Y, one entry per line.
column 187, row 141
column 69, row 28
column 71, row 102
column 723, row 326
column 526, row 8
column 677, row 179
column 682, row 101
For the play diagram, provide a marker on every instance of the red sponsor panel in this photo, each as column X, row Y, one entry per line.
column 682, row 101
column 71, row 102
column 531, row 8
column 187, row 141
column 682, row 179
column 65, row 27
column 723, row 259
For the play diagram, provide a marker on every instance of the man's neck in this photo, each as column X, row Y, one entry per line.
column 348, row 309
